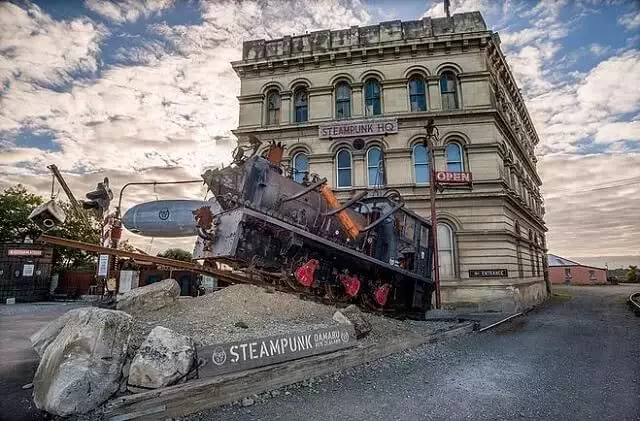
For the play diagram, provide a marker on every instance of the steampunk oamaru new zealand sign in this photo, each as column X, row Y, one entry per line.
column 258, row 352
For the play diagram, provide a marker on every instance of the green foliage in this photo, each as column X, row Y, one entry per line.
column 177, row 254
column 632, row 274
column 16, row 203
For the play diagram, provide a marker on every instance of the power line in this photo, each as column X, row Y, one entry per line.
column 597, row 187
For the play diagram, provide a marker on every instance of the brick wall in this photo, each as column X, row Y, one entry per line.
column 577, row 275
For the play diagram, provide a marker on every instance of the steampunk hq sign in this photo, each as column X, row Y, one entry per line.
column 351, row 128
column 259, row 352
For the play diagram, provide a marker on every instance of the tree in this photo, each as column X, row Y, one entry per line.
column 126, row 246
column 176, row 254
column 16, row 203
column 632, row 274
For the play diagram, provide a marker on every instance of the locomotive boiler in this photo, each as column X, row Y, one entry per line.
column 370, row 249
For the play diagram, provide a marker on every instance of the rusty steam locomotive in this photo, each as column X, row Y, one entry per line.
column 369, row 250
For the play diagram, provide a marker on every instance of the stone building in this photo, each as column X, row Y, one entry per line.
column 351, row 105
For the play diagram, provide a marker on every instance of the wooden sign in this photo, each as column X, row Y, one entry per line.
column 489, row 273
column 259, row 352
column 25, row 252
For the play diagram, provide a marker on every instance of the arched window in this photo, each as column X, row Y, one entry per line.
column 273, row 107
column 375, row 167
column 421, row 164
column 372, row 97
column 300, row 167
column 449, row 91
column 343, row 168
column 417, row 96
column 302, row 105
column 343, row 100
column 446, row 252
column 455, row 162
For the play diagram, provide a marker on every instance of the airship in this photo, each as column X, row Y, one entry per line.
column 166, row 218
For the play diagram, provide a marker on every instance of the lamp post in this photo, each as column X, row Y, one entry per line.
column 432, row 133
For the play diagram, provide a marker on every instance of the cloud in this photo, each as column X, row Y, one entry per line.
column 462, row 6
column 631, row 21
column 612, row 132
column 599, row 49
column 122, row 11
column 590, row 200
column 36, row 49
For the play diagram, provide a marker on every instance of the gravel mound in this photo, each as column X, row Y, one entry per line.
column 241, row 311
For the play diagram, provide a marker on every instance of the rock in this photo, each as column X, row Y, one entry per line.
column 341, row 318
column 241, row 324
column 275, row 393
column 247, row 402
column 287, row 393
column 81, row 368
column 43, row 338
column 149, row 298
column 360, row 324
column 164, row 358
column 27, row 386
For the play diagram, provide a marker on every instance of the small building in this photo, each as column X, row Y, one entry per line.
column 25, row 271
column 568, row 272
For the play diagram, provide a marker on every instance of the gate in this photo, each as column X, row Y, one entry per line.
column 25, row 272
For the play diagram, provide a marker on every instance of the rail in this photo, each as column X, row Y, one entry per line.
column 634, row 302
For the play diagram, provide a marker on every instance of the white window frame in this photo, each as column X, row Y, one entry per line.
column 293, row 165
column 371, row 183
column 414, row 164
column 461, row 150
column 452, row 250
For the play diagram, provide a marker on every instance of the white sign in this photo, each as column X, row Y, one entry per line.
column 103, row 265
column 353, row 128
column 25, row 252
column 27, row 270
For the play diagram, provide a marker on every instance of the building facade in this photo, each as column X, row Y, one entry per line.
column 568, row 272
column 352, row 105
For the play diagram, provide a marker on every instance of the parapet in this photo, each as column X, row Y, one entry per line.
column 362, row 37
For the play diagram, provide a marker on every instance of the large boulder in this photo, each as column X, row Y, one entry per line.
column 164, row 358
column 81, row 368
column 43, row 338
column 150, row 297
column 354, row 316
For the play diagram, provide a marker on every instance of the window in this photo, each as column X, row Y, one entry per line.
column 273, row 107
column 454, row 158
column 417, row 97
column 445, row 251
column 372, row 97
column 302, row 106
column 343, row 168
column 343, row 100
column 421, row 164
column 300, row 167
column 592, row 275
column 375, row 167
column 448, row 90
column 567, row 275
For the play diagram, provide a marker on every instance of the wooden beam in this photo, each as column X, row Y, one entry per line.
column 177, row 264
column 199, row 395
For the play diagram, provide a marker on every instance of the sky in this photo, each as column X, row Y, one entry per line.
column 143, row 90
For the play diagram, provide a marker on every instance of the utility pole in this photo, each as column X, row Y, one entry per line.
column 447, row 5
column 432, row 133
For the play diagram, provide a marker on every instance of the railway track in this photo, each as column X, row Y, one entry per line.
column 634, row 303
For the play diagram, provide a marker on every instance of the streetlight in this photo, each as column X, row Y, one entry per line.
column 432, row 133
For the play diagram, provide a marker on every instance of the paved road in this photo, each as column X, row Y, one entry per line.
column 577, row 358
column 18, row 360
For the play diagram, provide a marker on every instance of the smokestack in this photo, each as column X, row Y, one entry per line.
column 275, row 152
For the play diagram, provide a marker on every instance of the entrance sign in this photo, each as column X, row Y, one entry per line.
column 258, row 352
column 488, row 273
column 351, row 128
column 103, row 265
column 448, row 177
column 25, row 252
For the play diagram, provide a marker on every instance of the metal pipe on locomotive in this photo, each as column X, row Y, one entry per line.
column 370, row 250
